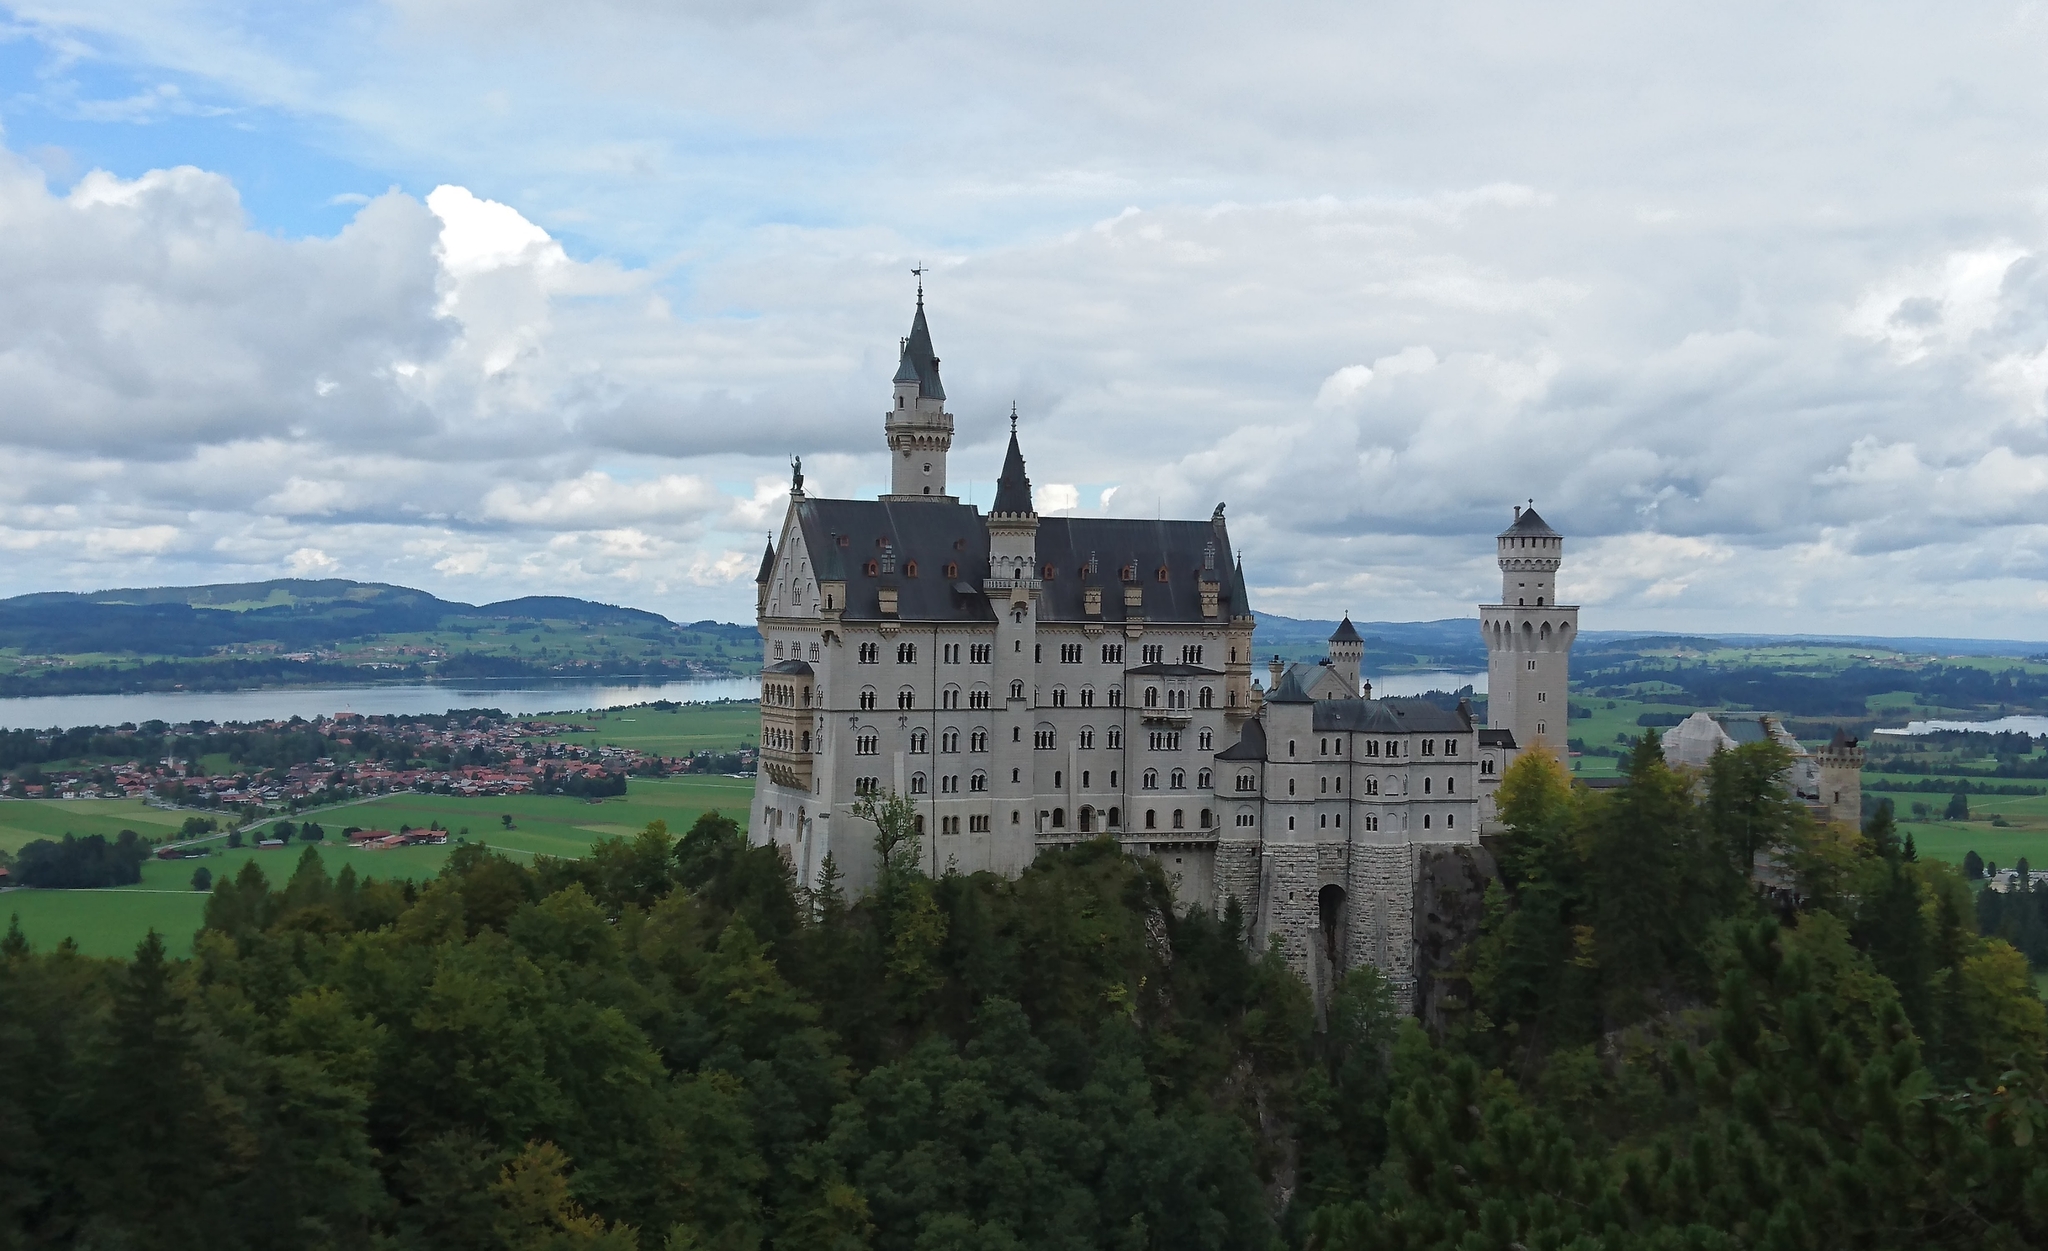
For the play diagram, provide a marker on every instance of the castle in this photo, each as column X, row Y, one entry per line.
column 1030, row 682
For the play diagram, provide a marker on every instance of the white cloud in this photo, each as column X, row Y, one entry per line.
column 1774, row 358
column 311, row 562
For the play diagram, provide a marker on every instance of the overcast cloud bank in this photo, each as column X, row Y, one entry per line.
column 1756, row 308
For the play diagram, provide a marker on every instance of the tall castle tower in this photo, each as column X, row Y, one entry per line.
column 918, row 427
column 1529, row 637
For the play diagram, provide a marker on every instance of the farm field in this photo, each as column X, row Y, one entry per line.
column 111, row 922
column 22, row 821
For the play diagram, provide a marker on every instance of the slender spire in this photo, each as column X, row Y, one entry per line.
column 919, row 363
column 1013, row 489
column 767, row 563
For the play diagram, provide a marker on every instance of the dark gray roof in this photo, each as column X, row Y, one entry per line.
column 930, row 535
column 1251, row 745
column 927, row 536
column 1175, row 671
column 1346, row 632
column 919, row 363
column 1389, row 716
column 1527, row 524
column 1497, row 738
column 767, row 565
column 1289, row 691
column 1013, row 489
column 790, row 669
column 1143, row 548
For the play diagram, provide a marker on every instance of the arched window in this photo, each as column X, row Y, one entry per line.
column 1425, row 786
column 1208, row 699
column 978, row 782
column 1087, row 816
column 1247, row 782
column 1205, row 818
column 1151, row 779
column 867, row 699
column 1151, row 818
column 1486, row 766
column 1087, row 697
column 1203, row 780
column 1017, row 689
column 1116, row 816
column 1180, row 779
column 917, row 783
column 1180, row 820
column 906, row 698
column 977, row 740
column 1207, row 740
column 1372, row 786
column 906, row 653
column 1059, row 697
column 918, row 742
column 1059, row 818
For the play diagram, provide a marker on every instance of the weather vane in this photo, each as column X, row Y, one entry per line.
column 919, row 270
column 1013, row 416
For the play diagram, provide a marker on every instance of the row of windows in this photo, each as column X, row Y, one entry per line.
column 775, row 738
column 1375, row 748
column 984, row 653
column 785, row 695
column 976, row 824
column 1177, row 780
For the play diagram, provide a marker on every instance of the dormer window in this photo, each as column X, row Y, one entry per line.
column 1162, row 573
column 1049, row 571
column 952, row 570
column 909, row 568
column 873, row 568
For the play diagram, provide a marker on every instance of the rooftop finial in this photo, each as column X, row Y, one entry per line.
column 1013, row 416
column 918, row 270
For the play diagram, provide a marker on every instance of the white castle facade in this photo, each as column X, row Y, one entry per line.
column 1030, row 682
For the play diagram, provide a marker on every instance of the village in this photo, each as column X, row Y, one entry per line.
column 287, row 766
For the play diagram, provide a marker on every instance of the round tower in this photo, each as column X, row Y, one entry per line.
column 918, row 428
column 1529, row 637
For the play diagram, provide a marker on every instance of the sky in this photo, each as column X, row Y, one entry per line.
column 498, row 299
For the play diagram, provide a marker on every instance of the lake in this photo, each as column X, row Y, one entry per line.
column 2023, row 724
column 519, row 696
column 516, row 696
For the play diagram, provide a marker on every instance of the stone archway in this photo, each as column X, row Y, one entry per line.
column 1330, row 928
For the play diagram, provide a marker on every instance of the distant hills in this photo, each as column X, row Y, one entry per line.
column 333, row 630
column 293, row 612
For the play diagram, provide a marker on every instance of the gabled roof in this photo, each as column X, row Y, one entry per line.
column 1527, row 523
column 919, row 363
column 1497, row 738
column 1013, row 489
column 1346, row 632
column 791, row 669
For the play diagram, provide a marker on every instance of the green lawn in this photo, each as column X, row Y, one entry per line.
column 671, row 732
column 111, row 922
column 24, row 821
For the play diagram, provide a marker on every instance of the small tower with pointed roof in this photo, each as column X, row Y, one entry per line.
column 918, row 427
column 1529, row 637
column 1347, row 655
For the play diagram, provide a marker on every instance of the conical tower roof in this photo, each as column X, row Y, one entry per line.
column 1346, row 632
column 1013, row 489
column 767, row 564
column 920, row 364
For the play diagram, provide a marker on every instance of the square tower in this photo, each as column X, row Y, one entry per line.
column 1529, row 637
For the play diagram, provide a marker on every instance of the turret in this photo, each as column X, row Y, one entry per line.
column 1529, row 637
column 917, row 425
column 1347, row 655
column 1529, row 552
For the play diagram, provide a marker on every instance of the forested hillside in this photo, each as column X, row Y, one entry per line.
column 297, row 631
column 665, row 1045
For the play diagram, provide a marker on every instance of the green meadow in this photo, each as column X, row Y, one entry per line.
column 111, row 922
column 669, row 731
